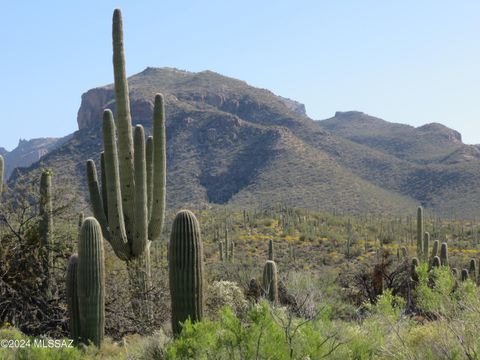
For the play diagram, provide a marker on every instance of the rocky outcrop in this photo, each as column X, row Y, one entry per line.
column 199, row 90
column 441, row 133
column 430, row 143
column 29, row 151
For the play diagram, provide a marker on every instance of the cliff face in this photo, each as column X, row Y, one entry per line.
column 30, row 151
column 200, row 90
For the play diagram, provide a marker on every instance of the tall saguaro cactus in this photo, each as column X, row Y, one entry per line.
column 186, row 270
column 130, row 204
column 45, row 229
column 91, row 282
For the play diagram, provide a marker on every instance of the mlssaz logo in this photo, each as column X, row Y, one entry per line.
column 51, row 343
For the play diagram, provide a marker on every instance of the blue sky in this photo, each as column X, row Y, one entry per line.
column 405, row 61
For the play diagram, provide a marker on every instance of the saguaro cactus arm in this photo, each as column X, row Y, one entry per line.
column 141, row 207
column 104, row 184
column 159, row 169
column 123, row 121
column 96, row 198
column 118, row 236
column 149, row 158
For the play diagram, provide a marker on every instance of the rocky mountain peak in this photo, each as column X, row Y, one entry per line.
column 205, row 88
column 441, row 131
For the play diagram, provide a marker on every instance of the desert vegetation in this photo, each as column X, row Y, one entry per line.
column 129, row 278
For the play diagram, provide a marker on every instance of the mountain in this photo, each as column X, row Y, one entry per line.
column 231, row 143
column 425, row 144
column 28, row 152
column 446, row 172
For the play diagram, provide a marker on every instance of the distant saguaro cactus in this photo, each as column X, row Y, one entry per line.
column 426, row 243
column 472, row 270
column 444, row 254
column 464, row 276
column 232, row 252
column 270, row 281
column 435, row 248
column 91, row 282
column 420, row 232
column 2, row 165
column 226, row 244
column 220, row 249
column 413, row 269
column 270, row 250
column 186, row 270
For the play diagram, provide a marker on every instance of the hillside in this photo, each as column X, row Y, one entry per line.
column 28, row 152
column 425, row 144
column 231, row 143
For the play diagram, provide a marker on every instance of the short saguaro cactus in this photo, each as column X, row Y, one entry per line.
column 186, row 270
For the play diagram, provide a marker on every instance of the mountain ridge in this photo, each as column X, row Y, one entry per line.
column 231, row 143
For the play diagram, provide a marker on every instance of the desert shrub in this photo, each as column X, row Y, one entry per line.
column 265, row 333
column 222, row 293
column 435, row 289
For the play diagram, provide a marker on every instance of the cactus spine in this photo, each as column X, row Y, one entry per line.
column 91, row 282
column 45, row 229
column 72, row 299
column 186, row 270
column 130, row 205
column 444, row 254
column 270, row 281
column 420, row 232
